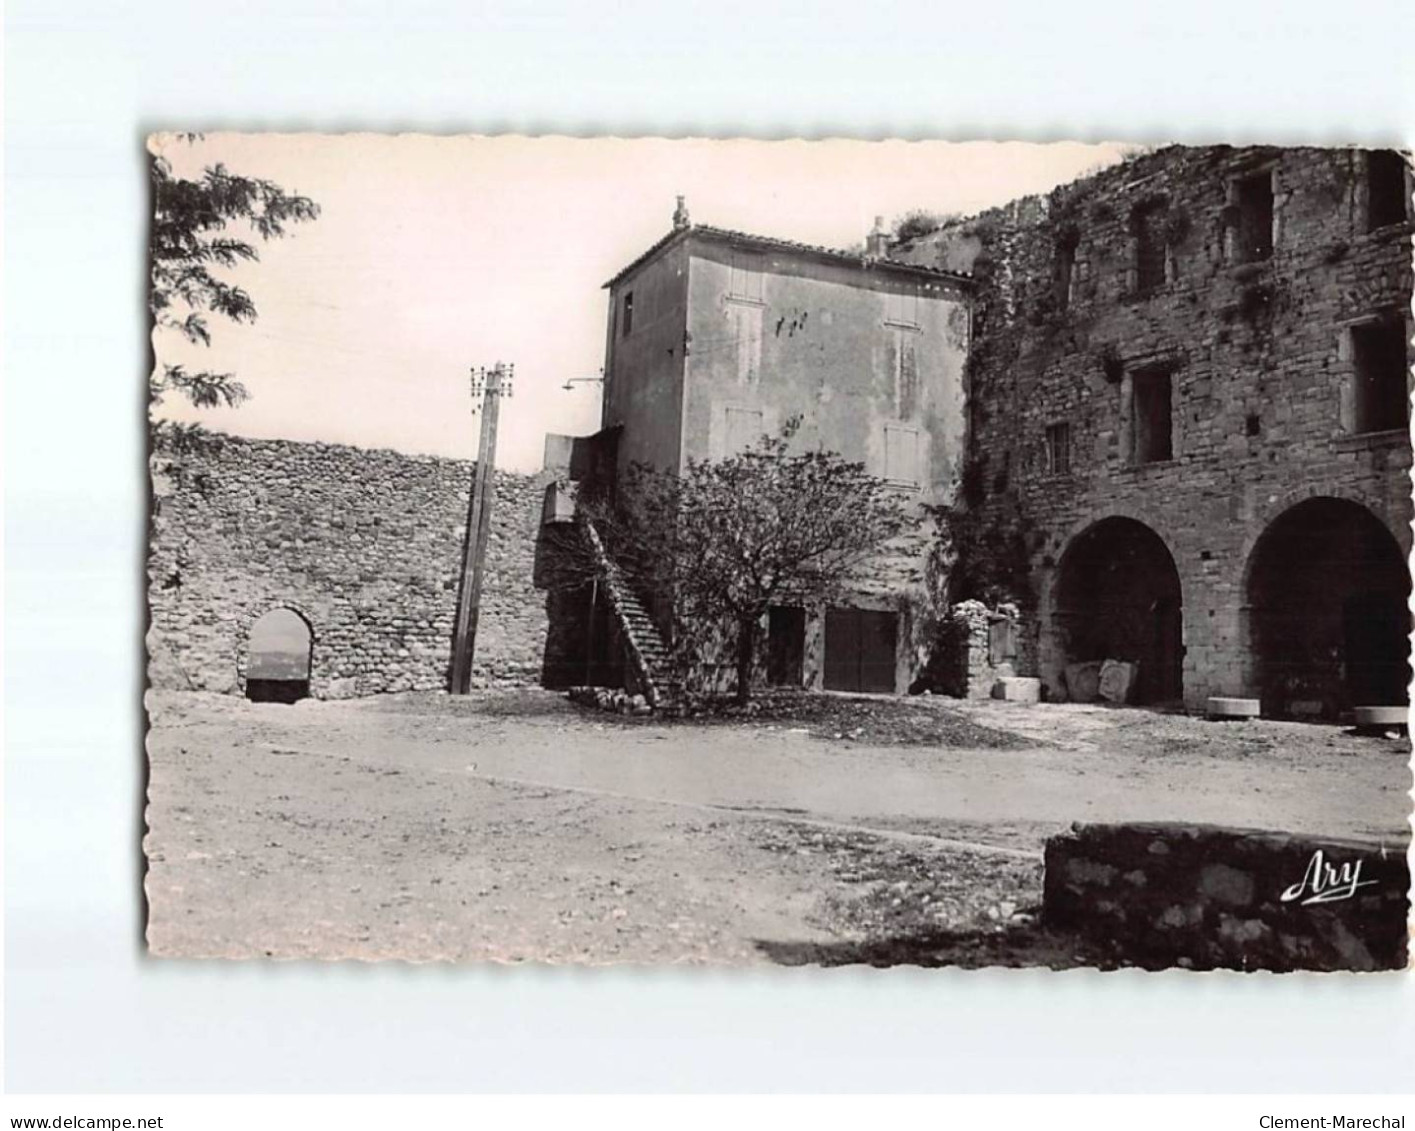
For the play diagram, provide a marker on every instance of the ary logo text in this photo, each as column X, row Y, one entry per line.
column 1326, row 882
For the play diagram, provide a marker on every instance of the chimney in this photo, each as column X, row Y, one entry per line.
column 877, row 242
column 680, row 216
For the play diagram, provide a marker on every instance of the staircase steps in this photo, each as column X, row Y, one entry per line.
column 646, row 648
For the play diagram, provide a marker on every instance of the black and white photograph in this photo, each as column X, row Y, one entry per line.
column 699, row 565
column 777, row 553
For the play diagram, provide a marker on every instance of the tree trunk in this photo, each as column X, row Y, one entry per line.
column 746, row 646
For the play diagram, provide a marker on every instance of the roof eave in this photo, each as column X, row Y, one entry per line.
column 653, row 250
column 830, row 255
column 769, row 243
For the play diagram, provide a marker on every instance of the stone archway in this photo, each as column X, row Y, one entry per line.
column 279, row 654
column 1326, row 590
column 1118, row 597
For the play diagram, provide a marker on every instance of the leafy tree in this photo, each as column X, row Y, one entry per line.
column 729, row 538
column 190, row 242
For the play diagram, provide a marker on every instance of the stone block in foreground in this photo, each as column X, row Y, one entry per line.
column 1018, row 689
column 1227, row 707
column 1207, row 896
column 1382, row 717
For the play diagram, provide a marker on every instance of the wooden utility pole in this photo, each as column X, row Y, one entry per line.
column 494, row 385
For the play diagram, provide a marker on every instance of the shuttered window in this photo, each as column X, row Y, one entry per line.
column 746, row 281
column 746, row 330
column 906, row 374
column 902, row 309
column 901, row 455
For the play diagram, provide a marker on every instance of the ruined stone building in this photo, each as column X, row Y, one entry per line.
column 717, row 337
column 1188, row 394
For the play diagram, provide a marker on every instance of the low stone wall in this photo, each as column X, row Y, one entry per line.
column 1207, row 897
column 365, row 545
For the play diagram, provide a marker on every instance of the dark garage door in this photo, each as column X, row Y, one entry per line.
column 860, row 650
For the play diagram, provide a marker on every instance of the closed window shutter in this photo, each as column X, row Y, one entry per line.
column 747, row 334
column 743, row 282
column 906, row 375
column 901, row 455
column 902, row 309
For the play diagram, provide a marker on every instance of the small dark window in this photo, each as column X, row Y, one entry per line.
column 1152, row 416
column 1254, row 198
column 1059, row 449
column 1149, row 249
column 628, row 314
column 1252, row 424
column 1378, row 353
column 1065, row 269
column 1386, row 194
column 785, row 646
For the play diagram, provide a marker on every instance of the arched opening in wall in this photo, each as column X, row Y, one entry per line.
column 1327, row 591
column 278, row 658
column 1118, row 598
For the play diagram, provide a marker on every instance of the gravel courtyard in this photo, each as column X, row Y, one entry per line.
column 518, row 827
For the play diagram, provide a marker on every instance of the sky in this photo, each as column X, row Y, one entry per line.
column 279, row 647
column 436, row 255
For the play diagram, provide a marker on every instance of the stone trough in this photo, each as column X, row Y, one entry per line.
column 1379, row 720
column 1227, row 707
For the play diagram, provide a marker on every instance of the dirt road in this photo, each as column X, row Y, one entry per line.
column 515, row 827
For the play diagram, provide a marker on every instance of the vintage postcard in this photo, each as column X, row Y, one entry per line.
column 740, row 552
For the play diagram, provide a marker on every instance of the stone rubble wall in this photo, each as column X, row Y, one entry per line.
column 1206, row 897
column 968, row 670
column 366, row 545
column 1244, row 340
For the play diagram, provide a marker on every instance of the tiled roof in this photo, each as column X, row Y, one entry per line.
column 727, row 235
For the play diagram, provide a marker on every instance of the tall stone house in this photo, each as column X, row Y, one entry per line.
column 717, row 337
column 1188, row 392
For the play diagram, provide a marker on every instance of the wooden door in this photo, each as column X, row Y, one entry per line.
column 860, row 650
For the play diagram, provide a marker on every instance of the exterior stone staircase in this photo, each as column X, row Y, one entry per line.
column 648, row 655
